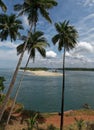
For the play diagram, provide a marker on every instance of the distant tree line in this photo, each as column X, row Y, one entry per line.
column 45, row 68
column 34, row 69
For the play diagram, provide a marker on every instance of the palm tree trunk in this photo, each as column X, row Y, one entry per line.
column 13, row 80
column 62, row 99
column 17, row 91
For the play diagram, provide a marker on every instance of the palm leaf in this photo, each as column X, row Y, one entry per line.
column 3, row 6
column 9, row 27
column 55, row 39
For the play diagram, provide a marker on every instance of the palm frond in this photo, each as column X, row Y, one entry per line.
column 34, row 7
column 3, row 6
column 36, row 41
column 45, row 14
column 10, row 26
column 55, row 39
column 66, row 36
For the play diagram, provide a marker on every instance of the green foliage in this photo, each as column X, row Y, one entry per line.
column 3, row 6
column 36, row 41
column 34, row 69
column 31, row 122
column 34, row 8
column 66, row 36
column 2, row 126
column 86, row 106
column 32, row 117
column 79, row 123
column 2, row 79
column 1, row 98
column 51, row 127
column 9, row 27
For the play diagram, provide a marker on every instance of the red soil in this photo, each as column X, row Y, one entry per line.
column 55, row 120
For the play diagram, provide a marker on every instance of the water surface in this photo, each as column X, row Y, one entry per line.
column 44, row 93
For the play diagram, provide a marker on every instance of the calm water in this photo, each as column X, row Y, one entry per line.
column 44, row 93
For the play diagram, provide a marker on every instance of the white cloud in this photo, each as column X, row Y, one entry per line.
column 51, row 54
column 85, row 28
column 25, row 21
column 88, row 17
column 84, row 47
column 88, row 2
column 82, row 53
column 8, row 44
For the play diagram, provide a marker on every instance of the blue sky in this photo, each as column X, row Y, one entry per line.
column 80, row 13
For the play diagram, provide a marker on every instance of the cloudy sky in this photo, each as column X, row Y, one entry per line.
column 80, row 13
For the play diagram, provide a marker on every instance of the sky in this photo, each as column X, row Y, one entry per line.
column 80, row 13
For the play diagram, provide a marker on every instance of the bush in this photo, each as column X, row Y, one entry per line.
column 51, row 127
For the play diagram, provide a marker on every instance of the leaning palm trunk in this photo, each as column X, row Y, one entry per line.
column 62, row 99
column 13, row 105
column 17, row 91
column 13, row 80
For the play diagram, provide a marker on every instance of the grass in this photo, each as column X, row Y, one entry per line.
column 81, row 112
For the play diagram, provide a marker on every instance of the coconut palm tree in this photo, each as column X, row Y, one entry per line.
column 9, row 26
column 36, row 41
column 66, row 38
column 34, row 8
column 28, row 8
column 3, row 6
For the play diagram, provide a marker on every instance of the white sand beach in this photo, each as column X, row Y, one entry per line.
column 44, row 73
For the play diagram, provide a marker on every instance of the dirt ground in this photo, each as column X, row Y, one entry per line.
column 55, row 120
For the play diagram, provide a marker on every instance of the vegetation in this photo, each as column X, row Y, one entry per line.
column 34, row 69
column 77, row 69
column 9, row 27
column 2, row 96
column 31, row 9
column 51, row 127
column 36, row 41
column 2, row 79
column 79, row 123
column 69, row 69
column 3, row 6
column 66, row 38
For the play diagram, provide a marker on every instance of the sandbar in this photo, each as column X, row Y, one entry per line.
column 44, row 73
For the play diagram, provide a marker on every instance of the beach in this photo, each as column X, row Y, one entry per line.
column 43, row 73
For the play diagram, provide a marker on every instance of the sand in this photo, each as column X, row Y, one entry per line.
column 44, row 73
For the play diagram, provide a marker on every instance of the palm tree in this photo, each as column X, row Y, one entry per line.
column 28, row 8
column 32, row 9
column 35, row 42
column 9, row 26
column 67, row 39
column 3, row 6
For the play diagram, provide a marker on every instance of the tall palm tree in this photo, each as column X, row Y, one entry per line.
column 35, row 42
column 28, row 7
column 3, row 6
column 9, row 26
column 66, row 38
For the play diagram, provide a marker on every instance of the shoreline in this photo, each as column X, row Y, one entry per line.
column 43, row 73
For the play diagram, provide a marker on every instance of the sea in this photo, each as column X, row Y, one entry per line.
column 43, row 93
